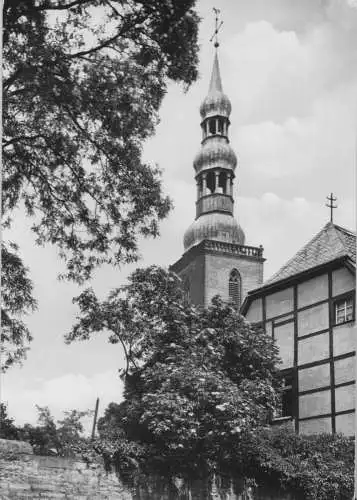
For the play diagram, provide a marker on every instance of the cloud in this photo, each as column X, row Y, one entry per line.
column 276, row 74
column 314, row 144
column 352, row 3
column 283, row 226
column 290, row 70
column 68, row 392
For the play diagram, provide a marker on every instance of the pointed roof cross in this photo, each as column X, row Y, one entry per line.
column 330, row 205
column 217, row 27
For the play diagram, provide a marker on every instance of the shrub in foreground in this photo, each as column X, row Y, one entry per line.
column 319, row 467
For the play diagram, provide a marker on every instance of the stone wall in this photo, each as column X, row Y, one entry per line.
column 25, row 476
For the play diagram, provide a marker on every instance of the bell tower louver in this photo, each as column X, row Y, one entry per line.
column 216, row 260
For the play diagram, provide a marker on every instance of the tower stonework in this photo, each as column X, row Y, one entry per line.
column 216, row 260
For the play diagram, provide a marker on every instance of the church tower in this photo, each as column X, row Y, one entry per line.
column 216, row 260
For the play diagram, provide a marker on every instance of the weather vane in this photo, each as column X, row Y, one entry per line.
column 218, row 25
column 330, row 205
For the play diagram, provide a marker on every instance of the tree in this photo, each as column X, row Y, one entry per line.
column 8, row 429
column 83, row 83
column 196, row 379
column 64, row 438
column 315, row 467
column 17, row 300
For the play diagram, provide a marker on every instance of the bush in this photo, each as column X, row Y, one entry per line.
column 319, row 467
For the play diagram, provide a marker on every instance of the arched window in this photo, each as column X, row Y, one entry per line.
column 235, row 288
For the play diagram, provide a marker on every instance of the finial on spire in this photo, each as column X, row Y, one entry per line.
column 218, row 25
column 330, row 204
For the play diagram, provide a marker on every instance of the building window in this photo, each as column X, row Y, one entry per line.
column 287, row 396
column 344, row 310
column 286, row 407
column 235, row 288
column 186, row 289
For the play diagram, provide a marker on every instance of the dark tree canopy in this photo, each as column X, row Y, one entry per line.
column 196, row 379
column 63, row 438
column 83, row 81
column 16, row 301
column 8, row 429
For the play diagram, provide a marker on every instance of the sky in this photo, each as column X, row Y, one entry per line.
column 290, row 71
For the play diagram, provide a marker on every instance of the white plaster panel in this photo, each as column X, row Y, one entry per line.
column 317, row 403
column 255, row 311
column 269, row 328
column 313, row 348
column 315, row 426
column 342, row 281
column 314, row 377
column 344, row 338
column 346, row 424
column 345, row 370
column 282, row 319
column 280, row 302
column 313, row 319
column 284, row 337
column 313, row 290
column 345, row 397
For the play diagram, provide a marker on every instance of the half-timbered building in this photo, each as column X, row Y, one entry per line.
column 308, row 307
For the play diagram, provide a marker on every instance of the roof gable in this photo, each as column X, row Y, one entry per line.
column 331, row 243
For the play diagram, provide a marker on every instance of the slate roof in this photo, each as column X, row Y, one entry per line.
column 331, row 243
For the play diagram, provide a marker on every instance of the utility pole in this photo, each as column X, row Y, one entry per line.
column 95, row 418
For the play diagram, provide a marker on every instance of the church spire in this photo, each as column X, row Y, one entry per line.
column 216, row 82
column 215, row 166
column 216, row 103
column 216, row 259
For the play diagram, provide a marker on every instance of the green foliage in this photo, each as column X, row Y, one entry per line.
column 199, row 386
column 195, row 380
column 17, row 301
column 64, row 438
column 83, row 81
column 318, row 467
column 8, row 429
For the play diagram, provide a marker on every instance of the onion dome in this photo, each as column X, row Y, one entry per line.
column 216, row 102
column 214, row 226
column 215, row 153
